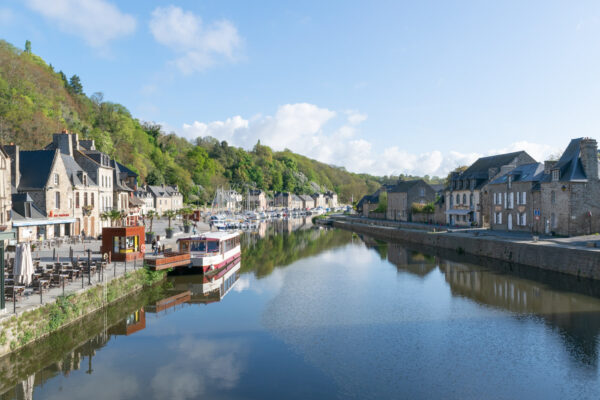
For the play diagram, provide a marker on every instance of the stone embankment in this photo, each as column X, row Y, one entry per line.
column 547, row 255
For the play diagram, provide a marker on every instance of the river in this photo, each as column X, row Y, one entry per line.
column 324, row 314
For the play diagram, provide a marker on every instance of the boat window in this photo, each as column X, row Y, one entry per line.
column 213, row 246
column 198, row 245
column 184, row 246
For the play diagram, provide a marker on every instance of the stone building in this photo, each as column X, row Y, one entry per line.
column 319, row 200
column 570, row 192
column 162, row 198
column 515, row 198
column 257, row 200
column 42, row 175
column 403, row 195
column 307, row 202
column 370, row 202
column 5, row 191
column 283, row 200
column 466, row 193
column 146, row 198
column 331, row 199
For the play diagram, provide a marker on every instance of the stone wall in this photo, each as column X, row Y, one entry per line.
column 579, row 262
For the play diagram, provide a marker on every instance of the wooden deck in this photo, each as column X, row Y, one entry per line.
column 168, row 260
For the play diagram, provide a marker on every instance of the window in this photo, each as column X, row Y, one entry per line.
column 77, row 200
column 518, row 197
column 524, row 198
column 57, row 200
column 56, row 179
column 464, row 199
column 511, row 200
column 555, row 175
column 553, row 221
column 92, row 199
column 553, row 197
column 422, row 192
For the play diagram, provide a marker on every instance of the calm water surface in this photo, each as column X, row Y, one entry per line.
column 328, row 314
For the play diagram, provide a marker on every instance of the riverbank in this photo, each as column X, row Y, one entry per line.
column 548, row 255
column 19, row 330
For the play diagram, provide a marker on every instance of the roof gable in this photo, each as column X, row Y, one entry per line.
column 35, row 167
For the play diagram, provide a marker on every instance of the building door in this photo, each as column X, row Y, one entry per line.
column 510, row 222
column 93, row 226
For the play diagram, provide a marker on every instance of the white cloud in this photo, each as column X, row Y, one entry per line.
column 97, row 21
column 198, row 45
column 321, row 134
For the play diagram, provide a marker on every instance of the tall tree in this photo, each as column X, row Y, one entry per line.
column 27, row 47
column 75, row 85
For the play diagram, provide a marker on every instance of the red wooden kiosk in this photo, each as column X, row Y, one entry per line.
column 124, row 243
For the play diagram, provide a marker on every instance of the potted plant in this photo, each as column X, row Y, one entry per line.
column 185, row 213
column 170, row 214
column 150, row 234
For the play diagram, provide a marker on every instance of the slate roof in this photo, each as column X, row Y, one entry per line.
column 306, row 197
column 118, row 184
column 18, row 208
column 158, row 191
column 533, row 172
column 571, row 168
column 405, row 186
column 35, row 167
column 480, row 168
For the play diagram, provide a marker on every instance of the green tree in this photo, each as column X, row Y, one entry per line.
column 75, row 85
column 27, row 47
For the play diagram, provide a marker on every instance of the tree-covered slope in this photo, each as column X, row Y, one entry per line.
column 37, row 101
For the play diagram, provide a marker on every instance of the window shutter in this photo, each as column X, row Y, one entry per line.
column 524, row 219
column 524, row 197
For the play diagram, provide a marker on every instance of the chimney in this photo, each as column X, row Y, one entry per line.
column 589, row 157
column 12, row 151
column 62, row 142
column 548, row 165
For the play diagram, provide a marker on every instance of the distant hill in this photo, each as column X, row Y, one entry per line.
column 37, row 101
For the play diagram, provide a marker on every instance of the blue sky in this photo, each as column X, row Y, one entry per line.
column 383, row 87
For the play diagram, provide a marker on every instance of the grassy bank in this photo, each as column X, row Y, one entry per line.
column 29, row 326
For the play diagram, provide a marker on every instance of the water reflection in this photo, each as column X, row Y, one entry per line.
column 413, row 322
column 574, row 315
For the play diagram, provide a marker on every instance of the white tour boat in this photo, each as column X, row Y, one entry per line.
column 211, row 250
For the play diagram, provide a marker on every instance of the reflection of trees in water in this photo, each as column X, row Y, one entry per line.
column 576, row 316
column 283, row 248
column 74, row 347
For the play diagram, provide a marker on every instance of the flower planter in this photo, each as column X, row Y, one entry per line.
column 187, row 228
column 169, row 232
column 149, row 237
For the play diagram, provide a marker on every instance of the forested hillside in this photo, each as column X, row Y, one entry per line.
column 37, row 101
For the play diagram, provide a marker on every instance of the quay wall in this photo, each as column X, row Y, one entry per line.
column 548, row 256
column 29, row 326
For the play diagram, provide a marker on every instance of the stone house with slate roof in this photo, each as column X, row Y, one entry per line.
column 162, row 200
column 307, row 202
column 331, row 199
column 401, row 197
column 257, row 199
column 296, row 202
column 370, row 202
column 466, row 196
column 319, row 200
column 283, row 200
column 176, row 197
column 515, row 198
column 43, row 176
column 570, row 191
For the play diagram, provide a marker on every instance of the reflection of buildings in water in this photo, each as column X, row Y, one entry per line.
column 410, row 261
column 135, row 322
column 577, row 316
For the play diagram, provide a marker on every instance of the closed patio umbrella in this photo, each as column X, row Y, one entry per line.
column 17, row 268
column 27, row 265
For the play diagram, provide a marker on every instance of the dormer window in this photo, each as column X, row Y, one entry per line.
column 56, row 179
column 85, row 180
column 27, row 210
column 555, row 175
